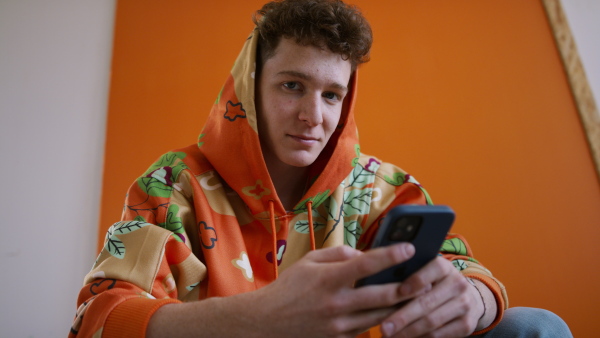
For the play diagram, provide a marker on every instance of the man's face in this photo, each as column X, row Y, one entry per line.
column 299, row 98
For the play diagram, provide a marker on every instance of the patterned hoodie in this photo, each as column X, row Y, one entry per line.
column 206, row 221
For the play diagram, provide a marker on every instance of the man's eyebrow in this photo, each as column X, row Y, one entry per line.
column 308, row 78
column 296, row 74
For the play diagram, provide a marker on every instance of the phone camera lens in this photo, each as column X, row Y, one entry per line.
column 397, row 235
column 405, row 229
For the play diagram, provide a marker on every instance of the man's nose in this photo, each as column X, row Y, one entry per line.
column 311, row 109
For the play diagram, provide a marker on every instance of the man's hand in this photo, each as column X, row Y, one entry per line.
column 443, row 304
column 315, row 297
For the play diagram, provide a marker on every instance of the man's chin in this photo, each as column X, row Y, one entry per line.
column 301, row 161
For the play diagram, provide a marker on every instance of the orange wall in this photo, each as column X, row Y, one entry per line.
column 468, row 96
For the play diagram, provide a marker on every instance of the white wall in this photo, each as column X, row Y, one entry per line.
column 54, row 75
column 54, row 72
column 582, row 16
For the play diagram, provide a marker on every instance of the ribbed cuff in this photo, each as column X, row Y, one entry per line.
column 130, row 318
column 495, row 289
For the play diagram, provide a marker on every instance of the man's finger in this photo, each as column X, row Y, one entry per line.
column 430, row 274
column 448, row 320
column 334, row 254
column 363, row 320
column 376, row 260
column 443, row 292
column 372, row 297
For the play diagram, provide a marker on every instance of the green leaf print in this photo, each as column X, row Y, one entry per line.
column 352, row 232
column 396, row 179
column 113, row 244
column 360, row 177
column 454, row 246
column 177, row 238
column 122, row 228
column 115, row 247
column 166, row 160
column 316, row 201
column 219, row 96
column 159, row 178
column 191, row 287
column 173, row 222
column 302, row 226
column 459, row 264
column 357, row 201
column 357, row 151
column 335, row 217
column 200, row 144
column 427, row 197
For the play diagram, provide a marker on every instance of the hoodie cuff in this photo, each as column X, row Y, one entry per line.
column 498, row 295
column 130, row 318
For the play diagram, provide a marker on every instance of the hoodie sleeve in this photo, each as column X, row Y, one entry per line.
column 457, row 250
column 146, row 261
column 393, row 187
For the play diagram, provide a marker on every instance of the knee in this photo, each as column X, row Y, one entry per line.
column 532, row 322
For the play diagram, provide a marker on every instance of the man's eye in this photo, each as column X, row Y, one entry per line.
column 291, row 85
column 331, row 96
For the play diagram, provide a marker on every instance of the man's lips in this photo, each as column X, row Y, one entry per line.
column 304, row 138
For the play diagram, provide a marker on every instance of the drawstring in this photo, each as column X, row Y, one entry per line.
column 274, row 232
column 310, row 225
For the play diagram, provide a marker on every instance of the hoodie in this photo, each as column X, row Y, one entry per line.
column 205, row 220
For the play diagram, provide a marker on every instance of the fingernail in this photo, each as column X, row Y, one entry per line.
column 409, row 249
column 388, row 329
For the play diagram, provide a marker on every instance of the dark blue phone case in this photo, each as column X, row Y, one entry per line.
column 436, row 222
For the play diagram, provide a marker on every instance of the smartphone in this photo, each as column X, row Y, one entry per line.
column 425, row 226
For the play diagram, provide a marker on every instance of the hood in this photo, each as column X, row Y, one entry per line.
column 230, row 142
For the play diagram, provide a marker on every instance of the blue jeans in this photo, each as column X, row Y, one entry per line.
column 530, row 323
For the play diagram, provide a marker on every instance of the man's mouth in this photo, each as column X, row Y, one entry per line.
column 305, row 139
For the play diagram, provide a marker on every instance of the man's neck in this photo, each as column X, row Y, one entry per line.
column 290, row 182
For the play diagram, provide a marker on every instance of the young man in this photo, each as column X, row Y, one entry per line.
column 256, row 229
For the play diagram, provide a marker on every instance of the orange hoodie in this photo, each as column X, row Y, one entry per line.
column 206, row 221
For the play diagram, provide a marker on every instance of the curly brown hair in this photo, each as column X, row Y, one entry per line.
column 321, row 23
